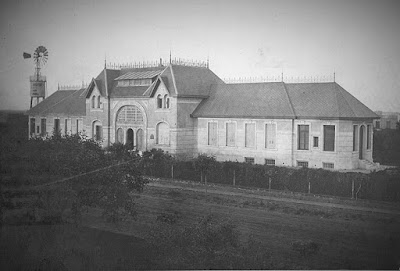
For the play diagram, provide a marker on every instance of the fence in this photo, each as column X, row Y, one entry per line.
column 382, row 185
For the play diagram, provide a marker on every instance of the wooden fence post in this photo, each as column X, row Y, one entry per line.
column 172, row 171
column 309, row 187
column 352, row 189
column 234, row 177
column 269, row 184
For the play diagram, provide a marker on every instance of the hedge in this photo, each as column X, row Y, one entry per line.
column 383, row 185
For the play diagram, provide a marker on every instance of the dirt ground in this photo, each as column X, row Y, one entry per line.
column 348, row 238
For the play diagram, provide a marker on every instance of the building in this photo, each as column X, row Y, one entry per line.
column 187, row 109
column 387, row 120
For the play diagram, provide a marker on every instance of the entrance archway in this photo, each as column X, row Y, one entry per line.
column 361, row 144
column 139, row 140
column 130, row 138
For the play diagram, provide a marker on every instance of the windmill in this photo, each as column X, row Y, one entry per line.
column 38, row 82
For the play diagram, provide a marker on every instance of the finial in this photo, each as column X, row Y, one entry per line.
column 282, row 75
column 334, row 76
column 105, row 61
column 170, row 57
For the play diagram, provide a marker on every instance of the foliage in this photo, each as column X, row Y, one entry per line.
column 208, row 244
column 386, row 148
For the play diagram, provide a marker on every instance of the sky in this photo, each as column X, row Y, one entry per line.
column 359, row 40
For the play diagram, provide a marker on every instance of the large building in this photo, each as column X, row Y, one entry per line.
column 387, row 120
column 187, row 109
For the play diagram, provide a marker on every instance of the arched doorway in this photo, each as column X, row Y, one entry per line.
column 129, row 138
column 120, row 136
column 139, row 139
column 361, row 143
column 162, row 132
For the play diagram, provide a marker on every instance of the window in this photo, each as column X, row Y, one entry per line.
column 159, row 101
column 162, row 133
column 368, row 137
column 166, row 101
column 66, row 127
column 315, row 142
column 230, row 134
column 270, row 162
column 43, row 127
column 93, row 101
column 388, row 124
column 32, row 126
column 250, row 137
column 378, row 124
column 130, row 114
column 270, row 135
column 37, row 129
column 249, row 160
column 98, row 102
column 98, row 133
column 355, row 137
column 120, row 136
column 328, row 165
column 57, row 125
column 212, row 133
column 302, row 164
column 303, row 134
column 329, row 137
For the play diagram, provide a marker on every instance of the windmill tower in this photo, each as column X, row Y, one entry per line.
column 37, row 81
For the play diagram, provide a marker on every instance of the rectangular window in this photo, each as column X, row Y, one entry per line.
column 355, row 137
column 66, row 127
column 270, row 135
column 43, row 127
column 328, row 165
column 315, row 142
column 368, row 137
column 249, row 160
column 302, row 164
column 250, row 136
column 378, row 124
column 57, row 125
column 37, row 129
column 230, row 134
column 98, row 132
column 270, row 162
column 388, row 124
column 212, row 133
column 329, row 137
column 303, row 137
column 32, row 126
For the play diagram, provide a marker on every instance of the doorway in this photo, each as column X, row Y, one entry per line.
column 130, row 138
column 361, row 143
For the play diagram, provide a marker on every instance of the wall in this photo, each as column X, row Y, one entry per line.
column 286, row 151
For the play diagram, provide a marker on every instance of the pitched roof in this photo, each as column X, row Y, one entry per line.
column 193, row 81
column 281, row 100
column 129, row 91
column 257, row 100
column 65, row 102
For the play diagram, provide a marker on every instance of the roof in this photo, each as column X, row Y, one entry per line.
column 65, row 102
column 257, row 100
column 281, row 100
column 139, row 75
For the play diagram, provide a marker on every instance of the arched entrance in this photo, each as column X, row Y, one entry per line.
column 131, row 119
column 130, row 138
column 139, row 139
column 361, row 143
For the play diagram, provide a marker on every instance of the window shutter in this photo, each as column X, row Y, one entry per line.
column 230, row 134
column 250, row 135
column 329, row 137
column 270, row 136
column 212, row 133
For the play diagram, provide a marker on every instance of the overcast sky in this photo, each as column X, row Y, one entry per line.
column 360, row 40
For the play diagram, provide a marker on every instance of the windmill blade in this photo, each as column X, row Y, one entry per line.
column 26, row 55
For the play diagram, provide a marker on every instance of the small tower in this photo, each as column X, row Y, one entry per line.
column 37, row 81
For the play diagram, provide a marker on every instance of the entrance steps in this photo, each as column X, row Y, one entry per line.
column 365, row 164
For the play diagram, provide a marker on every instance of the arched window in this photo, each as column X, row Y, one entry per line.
column 120, row 136
column 97, row 131
column 130, row 114
column 159, row 101
column 166, row 101
column 93, row 101
column 162, row 133
column 98, row 101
